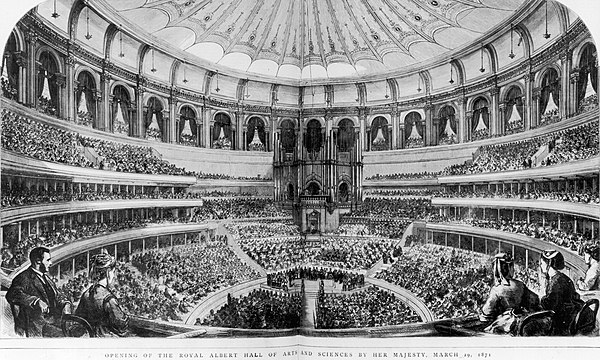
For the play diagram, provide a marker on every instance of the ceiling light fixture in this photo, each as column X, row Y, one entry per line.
column 55, row 14
column 546, row 34
column 88, row 36
column 153, row 68
column 121, row 54
column 247, row 94
column 482, row 69
column 512, row 54
column 185, row 80
column 451, row 75
column 419, row 83
column 387, row 89
column 217, row 88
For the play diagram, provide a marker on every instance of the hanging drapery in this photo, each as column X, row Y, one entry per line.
column 154, row 115
column 120, row 111
column 256, row 136
column 447, row 126
column 222, row 132
column 481, row 120
column 46, row 88
column 413, row 130
column 82, row 108
column 379, row 128
column 119, row 123
column 187, row 126
column 550, row 95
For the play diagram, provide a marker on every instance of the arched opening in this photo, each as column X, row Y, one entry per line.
column 290, row 192
column 447, row 128
column 85, row 100
column 288, row 136
column 122, row 111
column 222, row 132
column 313, row 188
column 313, row 139
column 380, row 134
column 345, row 139
column 187, row 129
column 10, row 70
column 344, row 192
column 513, row 111
column 154, row 120
column 47, row 86
column 413, row 130
column 549, row 97
column 480, row 122
column 587, row 84
column 256, row 135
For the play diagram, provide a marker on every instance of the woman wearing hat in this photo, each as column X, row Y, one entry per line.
column 508, row 298
column 561, row 296
column 98, row 305
column 591, row 254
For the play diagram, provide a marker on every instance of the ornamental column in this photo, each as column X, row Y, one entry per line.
column 495, row 111
column 530, row 102
column 429, row 139
column 31, row 75
column 394, row 117
column 173, row 118
column 535, row 110
column 104, row 113
column 573, row 105
column 565, row 94
column 139, row 130
column 69, row 100
column 501, row 120
column 464, row 119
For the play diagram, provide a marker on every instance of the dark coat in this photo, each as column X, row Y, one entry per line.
column 26, row 289
column 99, row 306
column 562, row 298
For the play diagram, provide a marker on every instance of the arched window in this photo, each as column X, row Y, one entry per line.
column 187, row 129
column 380, row 138
column 288, row 136
column 345, row 140
column 550, row 96
column 447, row 129
column 10, row 70
column 313, row 188
column 313, row 139
column 154, row 120
column 480, row 122
column 513, row 112
column 47, row 86
column 222, row 134
column 122, row 111
column 290, row 192
column 256, row 135
column 587, row 85
column 413, row 130
column 85, row 101
column 344, row 192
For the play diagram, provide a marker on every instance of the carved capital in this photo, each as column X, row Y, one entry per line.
column 574, row 76
column 21, row 59
column 31, row 36
column 105, row 77
column 70, row 61
column 494, row 91
column 61, row 80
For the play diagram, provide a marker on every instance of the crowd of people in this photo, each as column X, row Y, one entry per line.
column 413, row 208
column 367, row 308
column 582, row 196
column 452, row 282
column 408, row 192
column 14, row 252
column 260, row 309
column 353, row 253
column 568, row 145
column 405, row 176
column 238, row 208
column 564, row 237
column 283, row 279
column 195, row 270
column 41, row 141
column 262, row 229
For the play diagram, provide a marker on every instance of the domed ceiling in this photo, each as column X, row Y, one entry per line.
column 312, row 39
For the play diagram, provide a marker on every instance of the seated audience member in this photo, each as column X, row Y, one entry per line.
column 561, row 296
column 39, row 302
column 508, row 298
column 98, row 304
column 591, row 254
